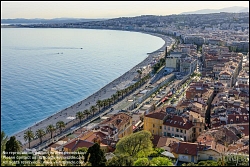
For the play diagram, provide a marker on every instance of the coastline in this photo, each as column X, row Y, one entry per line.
column 104, row 93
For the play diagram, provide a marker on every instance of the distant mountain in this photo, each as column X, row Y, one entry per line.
column 233, row 9
column 49, row 21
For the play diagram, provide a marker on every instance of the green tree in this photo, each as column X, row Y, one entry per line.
column 50, row 128
column 119, row 93
column 82, row 149
column 236, row 160
column 80, row 116
column 40, row 133
column 120, row 160
column 139, row 73
column 142, row 162
column 86, row 112
column 60, row 125
column 28, row 136
column 4, row 139
column 12, row 145
column 189, row 164
column 161, row 161
column 134, row 143
column 105, row 103
column 96, row 157
column 6, row 161
column 109, row 101
column 99, row 103
column 114, row 96
column 93, row 109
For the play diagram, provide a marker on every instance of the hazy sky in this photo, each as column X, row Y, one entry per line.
column 105, row 9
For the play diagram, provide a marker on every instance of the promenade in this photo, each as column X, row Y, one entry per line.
column 68, row 114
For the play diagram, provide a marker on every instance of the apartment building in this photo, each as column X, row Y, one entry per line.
column 153, row 121
column 121, row 122
column 226, row 77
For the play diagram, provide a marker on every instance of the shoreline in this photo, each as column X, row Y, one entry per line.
column 105, row 92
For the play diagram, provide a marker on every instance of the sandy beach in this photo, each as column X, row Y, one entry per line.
column 105, row 92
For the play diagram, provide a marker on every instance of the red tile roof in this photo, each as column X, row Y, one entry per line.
column 187, row 148
column 162, row 142
column 178, row 122
column 96, row 135
column 158, row 114
column 159, row 141
column 77, row 144
column 117, row 119
column 155, row 140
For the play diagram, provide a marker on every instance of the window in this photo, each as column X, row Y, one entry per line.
column 153, row 131
column 185, row 131
column 181, row 131
column 237, row 118
column 200, row 129
column 168, row 128
column 172, row 128
column 177, row 130
column 160, row 127
column 153, row 125
column 165, row 127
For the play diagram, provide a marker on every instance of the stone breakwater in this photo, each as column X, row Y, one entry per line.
column 68, row 114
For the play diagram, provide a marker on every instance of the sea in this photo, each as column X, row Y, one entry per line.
column 44, row 70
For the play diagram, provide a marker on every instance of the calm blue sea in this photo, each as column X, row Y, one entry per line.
column 46, row 70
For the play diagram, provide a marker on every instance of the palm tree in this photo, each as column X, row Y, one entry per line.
column 40, row 133
column 50, row 128
column 60, row 125
column 118, row 94
column 93, row 109
column 99, row 103
column 80, row 116
column 122, row 92
column 126, row 90
column 4, row 139
column 28, row 135
column 86, row 112
column 105, row 103
column 139, row 73
column 113, row 97
column 109, row 100
column 130, row 88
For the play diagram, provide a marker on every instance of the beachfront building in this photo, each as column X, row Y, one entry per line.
column 173, row 61
column 119, row 125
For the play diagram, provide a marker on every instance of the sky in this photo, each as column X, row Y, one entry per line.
column 105, row 9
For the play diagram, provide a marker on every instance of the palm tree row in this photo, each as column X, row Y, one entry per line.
column 40, row 133
column 103, row 104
